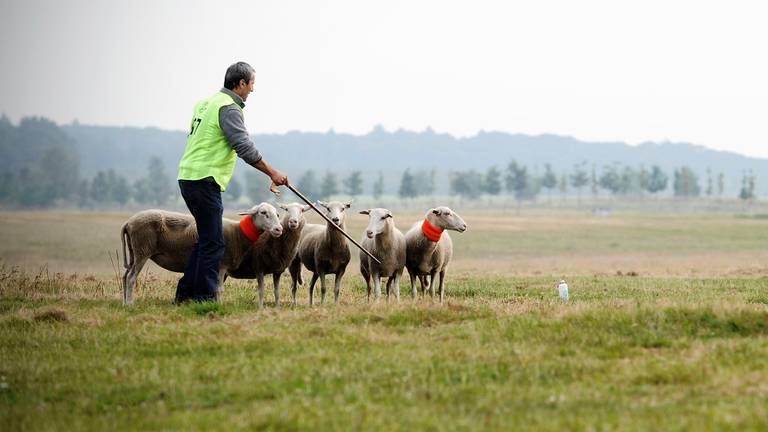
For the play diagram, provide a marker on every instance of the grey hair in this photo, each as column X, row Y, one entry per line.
column 236, row 72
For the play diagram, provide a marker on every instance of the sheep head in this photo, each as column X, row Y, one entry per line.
column 264, row 217
column 447, row 219
column 378, row 220
column 335, row 210
column 294, row 215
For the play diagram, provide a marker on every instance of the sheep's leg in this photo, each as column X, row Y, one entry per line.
column 367, row 278
column 322, row 288
column 376, row 285
column 337, row 287
column 276, row 284
column 396, row 282
column 220, row 286
column 413, row 284
column 424, row 284
column 294, row 269
column 312, row 288
column 389, row 287
column 129, row 279
column 442, row 291
column 260, row 280
column 432, row 284
column 294, row 286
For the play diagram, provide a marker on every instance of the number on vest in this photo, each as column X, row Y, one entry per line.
column 195, row 123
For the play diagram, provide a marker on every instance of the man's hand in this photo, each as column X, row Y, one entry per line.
column 278, row 177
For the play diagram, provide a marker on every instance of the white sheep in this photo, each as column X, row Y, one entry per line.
column 167, row 238
column 429, row 250
column 387, row 244
column 323, row 250
column 272, row 255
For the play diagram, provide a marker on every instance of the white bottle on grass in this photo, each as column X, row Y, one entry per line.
column 562, row 289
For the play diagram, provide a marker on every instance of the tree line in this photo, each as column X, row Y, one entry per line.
column 41, row 169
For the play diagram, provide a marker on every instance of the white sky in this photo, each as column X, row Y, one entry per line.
column 634, row 71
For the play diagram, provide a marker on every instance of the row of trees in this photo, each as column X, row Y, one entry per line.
column 615, row 179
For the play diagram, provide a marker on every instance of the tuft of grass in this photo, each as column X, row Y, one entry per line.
column 51, row 315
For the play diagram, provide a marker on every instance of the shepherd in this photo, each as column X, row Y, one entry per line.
column 217, row 136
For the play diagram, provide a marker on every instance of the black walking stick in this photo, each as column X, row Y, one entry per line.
column 274, row 190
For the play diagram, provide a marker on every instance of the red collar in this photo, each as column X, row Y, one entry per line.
column 431, row 232
column 249, row 229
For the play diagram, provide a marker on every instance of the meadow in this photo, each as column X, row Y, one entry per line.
column 666, row 329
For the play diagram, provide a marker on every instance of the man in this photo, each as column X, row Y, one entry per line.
column 217, row 136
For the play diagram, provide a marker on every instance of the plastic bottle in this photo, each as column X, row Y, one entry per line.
column 562, row 288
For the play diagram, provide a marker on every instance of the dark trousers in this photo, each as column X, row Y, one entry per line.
column 201, row 274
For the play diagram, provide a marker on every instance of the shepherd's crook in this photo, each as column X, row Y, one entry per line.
column 274, row 190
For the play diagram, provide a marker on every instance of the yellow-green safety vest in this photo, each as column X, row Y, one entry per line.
column 208, row 154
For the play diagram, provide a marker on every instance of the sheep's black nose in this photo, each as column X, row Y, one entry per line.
column 335, row 220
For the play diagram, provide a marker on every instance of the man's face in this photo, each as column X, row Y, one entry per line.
column 246, row 89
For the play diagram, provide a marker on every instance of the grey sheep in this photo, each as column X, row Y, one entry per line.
column 323, row 250
column 387, row 244
column 272, row 255
column 429, row 250
column 167, row 238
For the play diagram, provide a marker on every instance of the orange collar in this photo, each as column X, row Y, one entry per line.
column 431, row 232
column 249, row 229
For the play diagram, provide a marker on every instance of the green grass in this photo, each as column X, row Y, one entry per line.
column 503, row 353
column 682, row 346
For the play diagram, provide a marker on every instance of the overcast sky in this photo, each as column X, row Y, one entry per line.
column 634, row 71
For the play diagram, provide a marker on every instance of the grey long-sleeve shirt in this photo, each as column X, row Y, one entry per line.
column 233, row 125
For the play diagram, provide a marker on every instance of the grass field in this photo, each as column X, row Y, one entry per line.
column 667, row 329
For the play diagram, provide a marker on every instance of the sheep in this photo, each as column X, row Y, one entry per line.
column 167, row 238
column 429, row 250
column 323, row 250
column 272, row 255
column 387, row 244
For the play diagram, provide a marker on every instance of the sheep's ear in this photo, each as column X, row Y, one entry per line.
column 348, row 204
column 283, row 206
column 388, row 215
column 365, row 212
column 323, row 204
column 436, row 211
column 305, row 208
column 243, row 213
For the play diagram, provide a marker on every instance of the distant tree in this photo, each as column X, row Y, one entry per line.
column 407, row 185
column 579, row 179
column 59, row 169
column 720, row 184
column 159, row 183
column 119, row 189
column 657, row 180
column 518, row 182
column 329, row 186
column 234, row 190
column 378, row 186
column 747, row 191
column 309, row 185
column 630, row 181
column 549, row 180
column 492, row 181
column 593, row 183
column 710, row 183
column 424, row 182
column 100, row 192
column 562, row 185
column 610, row 179
column 83, row 193
column 686, row 183
column 643, row 178
column 353, row 183
column 140, row 191
column 467, row 184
